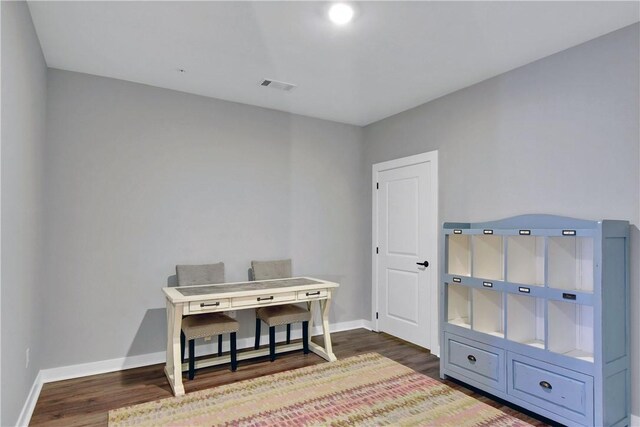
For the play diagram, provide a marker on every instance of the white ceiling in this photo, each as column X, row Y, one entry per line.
column 393, row 56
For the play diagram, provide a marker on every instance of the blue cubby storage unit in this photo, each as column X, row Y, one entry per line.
column 535, row 310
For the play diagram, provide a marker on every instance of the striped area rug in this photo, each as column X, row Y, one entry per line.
column 366, row 390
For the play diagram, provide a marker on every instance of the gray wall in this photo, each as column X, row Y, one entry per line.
column 23, row 120
column 139, row 179
column 557, row 136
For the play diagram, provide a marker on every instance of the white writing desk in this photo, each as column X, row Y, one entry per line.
column 191, row 300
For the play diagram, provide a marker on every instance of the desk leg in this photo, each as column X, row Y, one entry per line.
column 173, row 368
column 325, row 352
column 324, row 305
column 311, row 306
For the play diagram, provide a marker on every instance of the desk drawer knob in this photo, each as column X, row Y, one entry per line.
column 265, row 299
column 471, row 358
column 545, row 384
column 215, row 304
column 311, row 294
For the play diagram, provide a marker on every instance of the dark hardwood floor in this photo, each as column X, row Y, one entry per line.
column 86, row 401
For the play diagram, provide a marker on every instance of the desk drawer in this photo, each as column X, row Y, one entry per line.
column 208, row 305
column 311, row 295
column 565, row 392
column 266, row 299
column 477, row 361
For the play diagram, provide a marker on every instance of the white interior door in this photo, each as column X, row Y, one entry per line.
column 405, row 253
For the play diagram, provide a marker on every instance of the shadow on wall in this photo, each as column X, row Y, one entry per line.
column 172, row 281
column 151, row 334
column 152, row 331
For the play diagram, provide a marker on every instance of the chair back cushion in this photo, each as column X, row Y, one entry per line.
column 266, row 270
column 200, row 274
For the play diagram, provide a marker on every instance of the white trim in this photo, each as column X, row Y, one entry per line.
column 101, row 367
column 296, row 332
column 635, row 421
column 128, row 362
column 374, row 247
column 30, row 402
column 432, row 157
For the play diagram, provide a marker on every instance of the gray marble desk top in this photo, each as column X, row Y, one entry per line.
column 245, row 286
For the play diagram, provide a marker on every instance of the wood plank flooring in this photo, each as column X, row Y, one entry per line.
column 86, row 401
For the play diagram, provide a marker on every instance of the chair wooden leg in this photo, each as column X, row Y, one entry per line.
column 272, row 343
column 192, row 359
column 305, row 337
column 257, row 343
column 182, row 345
column 219, row 345
column 234, row 359
column 288, row 333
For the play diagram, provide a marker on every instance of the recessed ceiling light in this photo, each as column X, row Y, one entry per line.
column 340, row 13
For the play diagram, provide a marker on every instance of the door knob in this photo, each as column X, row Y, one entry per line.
column 424, row 264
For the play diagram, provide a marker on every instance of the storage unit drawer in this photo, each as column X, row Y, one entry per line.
column 310, row 295
column 480, row 362
column 265, row 299
column 208, row 305
column 562, row 391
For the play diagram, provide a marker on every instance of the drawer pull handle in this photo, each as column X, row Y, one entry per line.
column 545, row 384
column 524, row 290
column 265, row 299
column 569, row 296
column 457, row 280
column 311, row 294
column 213, row 304
column 471, row 358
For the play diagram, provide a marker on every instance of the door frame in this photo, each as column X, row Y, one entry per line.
column 432, row 157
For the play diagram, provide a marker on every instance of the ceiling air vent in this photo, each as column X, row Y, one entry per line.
column 287, row 87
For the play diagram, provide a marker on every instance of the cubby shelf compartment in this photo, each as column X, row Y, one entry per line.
column 525, row 320
column 488, row 313
column 571, row 329
column 459, row 305
column 570, row 263
column 488, row 257
column 541, row 303
column 459, row 254
column 525, row 260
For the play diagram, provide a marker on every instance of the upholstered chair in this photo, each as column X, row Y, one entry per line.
column 205, row 325
column 277, row 315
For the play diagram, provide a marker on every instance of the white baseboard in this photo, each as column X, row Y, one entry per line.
column 635, row 421
column 204, row 348
column 128, row 362
column 30, row 403
column 101, row 367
